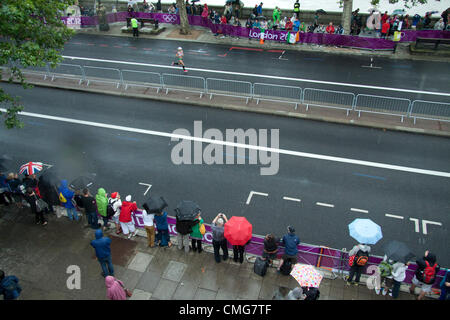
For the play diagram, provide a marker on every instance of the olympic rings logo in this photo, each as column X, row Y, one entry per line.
column 170, row 18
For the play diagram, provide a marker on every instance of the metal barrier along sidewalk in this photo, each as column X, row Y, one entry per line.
column 382, row 105
column 230, row 88
column 277, row 93
column 328, row 99
column 428, row 110
column 68, row 71
column 183, row 83
column 142, row 79
column 105, row 75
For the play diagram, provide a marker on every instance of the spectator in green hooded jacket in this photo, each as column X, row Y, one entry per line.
column 102, row 204
column 276, row 15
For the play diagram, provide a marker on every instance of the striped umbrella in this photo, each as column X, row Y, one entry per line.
column 30, row 168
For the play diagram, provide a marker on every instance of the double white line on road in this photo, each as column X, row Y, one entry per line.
column 342, row 84
column 238, row 145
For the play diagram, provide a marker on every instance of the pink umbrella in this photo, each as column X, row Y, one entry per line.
column 306, row 275
column 238, row 231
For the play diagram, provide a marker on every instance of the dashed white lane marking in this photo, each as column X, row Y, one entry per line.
column 146, row 184
column 359, row 210
column 416, row 224
column 325, row 204
column 238, row 145
column 425, row 222
column 393, row 216
column 257, row 193
column 292, row 199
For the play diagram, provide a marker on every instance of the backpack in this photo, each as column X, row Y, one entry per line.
column 429, row 273
column 361, row 258
column 62, row 199
column 110, row 210
column 260, row 267
column 286, row 268
column 41, row 205
column 385, row 269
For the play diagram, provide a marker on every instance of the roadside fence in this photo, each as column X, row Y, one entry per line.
column 308, row 97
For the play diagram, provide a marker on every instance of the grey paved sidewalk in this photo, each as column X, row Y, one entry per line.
column 39, row 257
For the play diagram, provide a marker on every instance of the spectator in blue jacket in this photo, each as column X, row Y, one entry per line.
column 445, row 286
column 163, row 237
column 102, row 246
column 9, row 286
column 290, row 242
column 259, row 9
column 68, row 195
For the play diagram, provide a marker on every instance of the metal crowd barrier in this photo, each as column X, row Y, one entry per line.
column 328, row 99
column 430, row 110
column 106, row 75
column 141, row 79
column 418, row 109
column 277, row 93
column 382, row 105
column 183, row 83
column 230, row 88
column 67, row 71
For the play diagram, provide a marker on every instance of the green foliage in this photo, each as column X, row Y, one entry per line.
column 32, row 34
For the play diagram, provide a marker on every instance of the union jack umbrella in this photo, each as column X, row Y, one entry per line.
column 30, row 168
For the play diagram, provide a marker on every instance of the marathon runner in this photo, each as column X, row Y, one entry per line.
column 180, row 55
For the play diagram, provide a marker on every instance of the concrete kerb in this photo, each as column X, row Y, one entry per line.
column 252, row 109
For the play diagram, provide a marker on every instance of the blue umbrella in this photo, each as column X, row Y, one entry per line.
column 365, row 231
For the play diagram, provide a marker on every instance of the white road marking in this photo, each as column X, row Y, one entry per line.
column 393, row 216
column 325, row 204
column 47, row 165
column 257, row 193
column 359, row 210
column 146, row 184
column 425, row 222
column 416, row 223
column 238, row 145
column 343, row 84
column 292, row 199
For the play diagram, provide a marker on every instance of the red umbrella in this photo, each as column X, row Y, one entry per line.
column 238, row 231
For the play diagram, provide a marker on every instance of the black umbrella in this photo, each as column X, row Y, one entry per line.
column 155, row 205
column 398, row 251
column 321, row 11
column 49, row 177
column 261, row 18
column 187, row 210
column 82, row 182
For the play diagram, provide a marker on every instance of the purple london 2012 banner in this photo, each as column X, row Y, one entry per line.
column 319, row 256
column 269, row 35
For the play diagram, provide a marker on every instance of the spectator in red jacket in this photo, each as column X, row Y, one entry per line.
column 384, row 18
column 385, row 29
column 126, row 221
column 330, row 28
column 223, row 20
column 289, row 25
